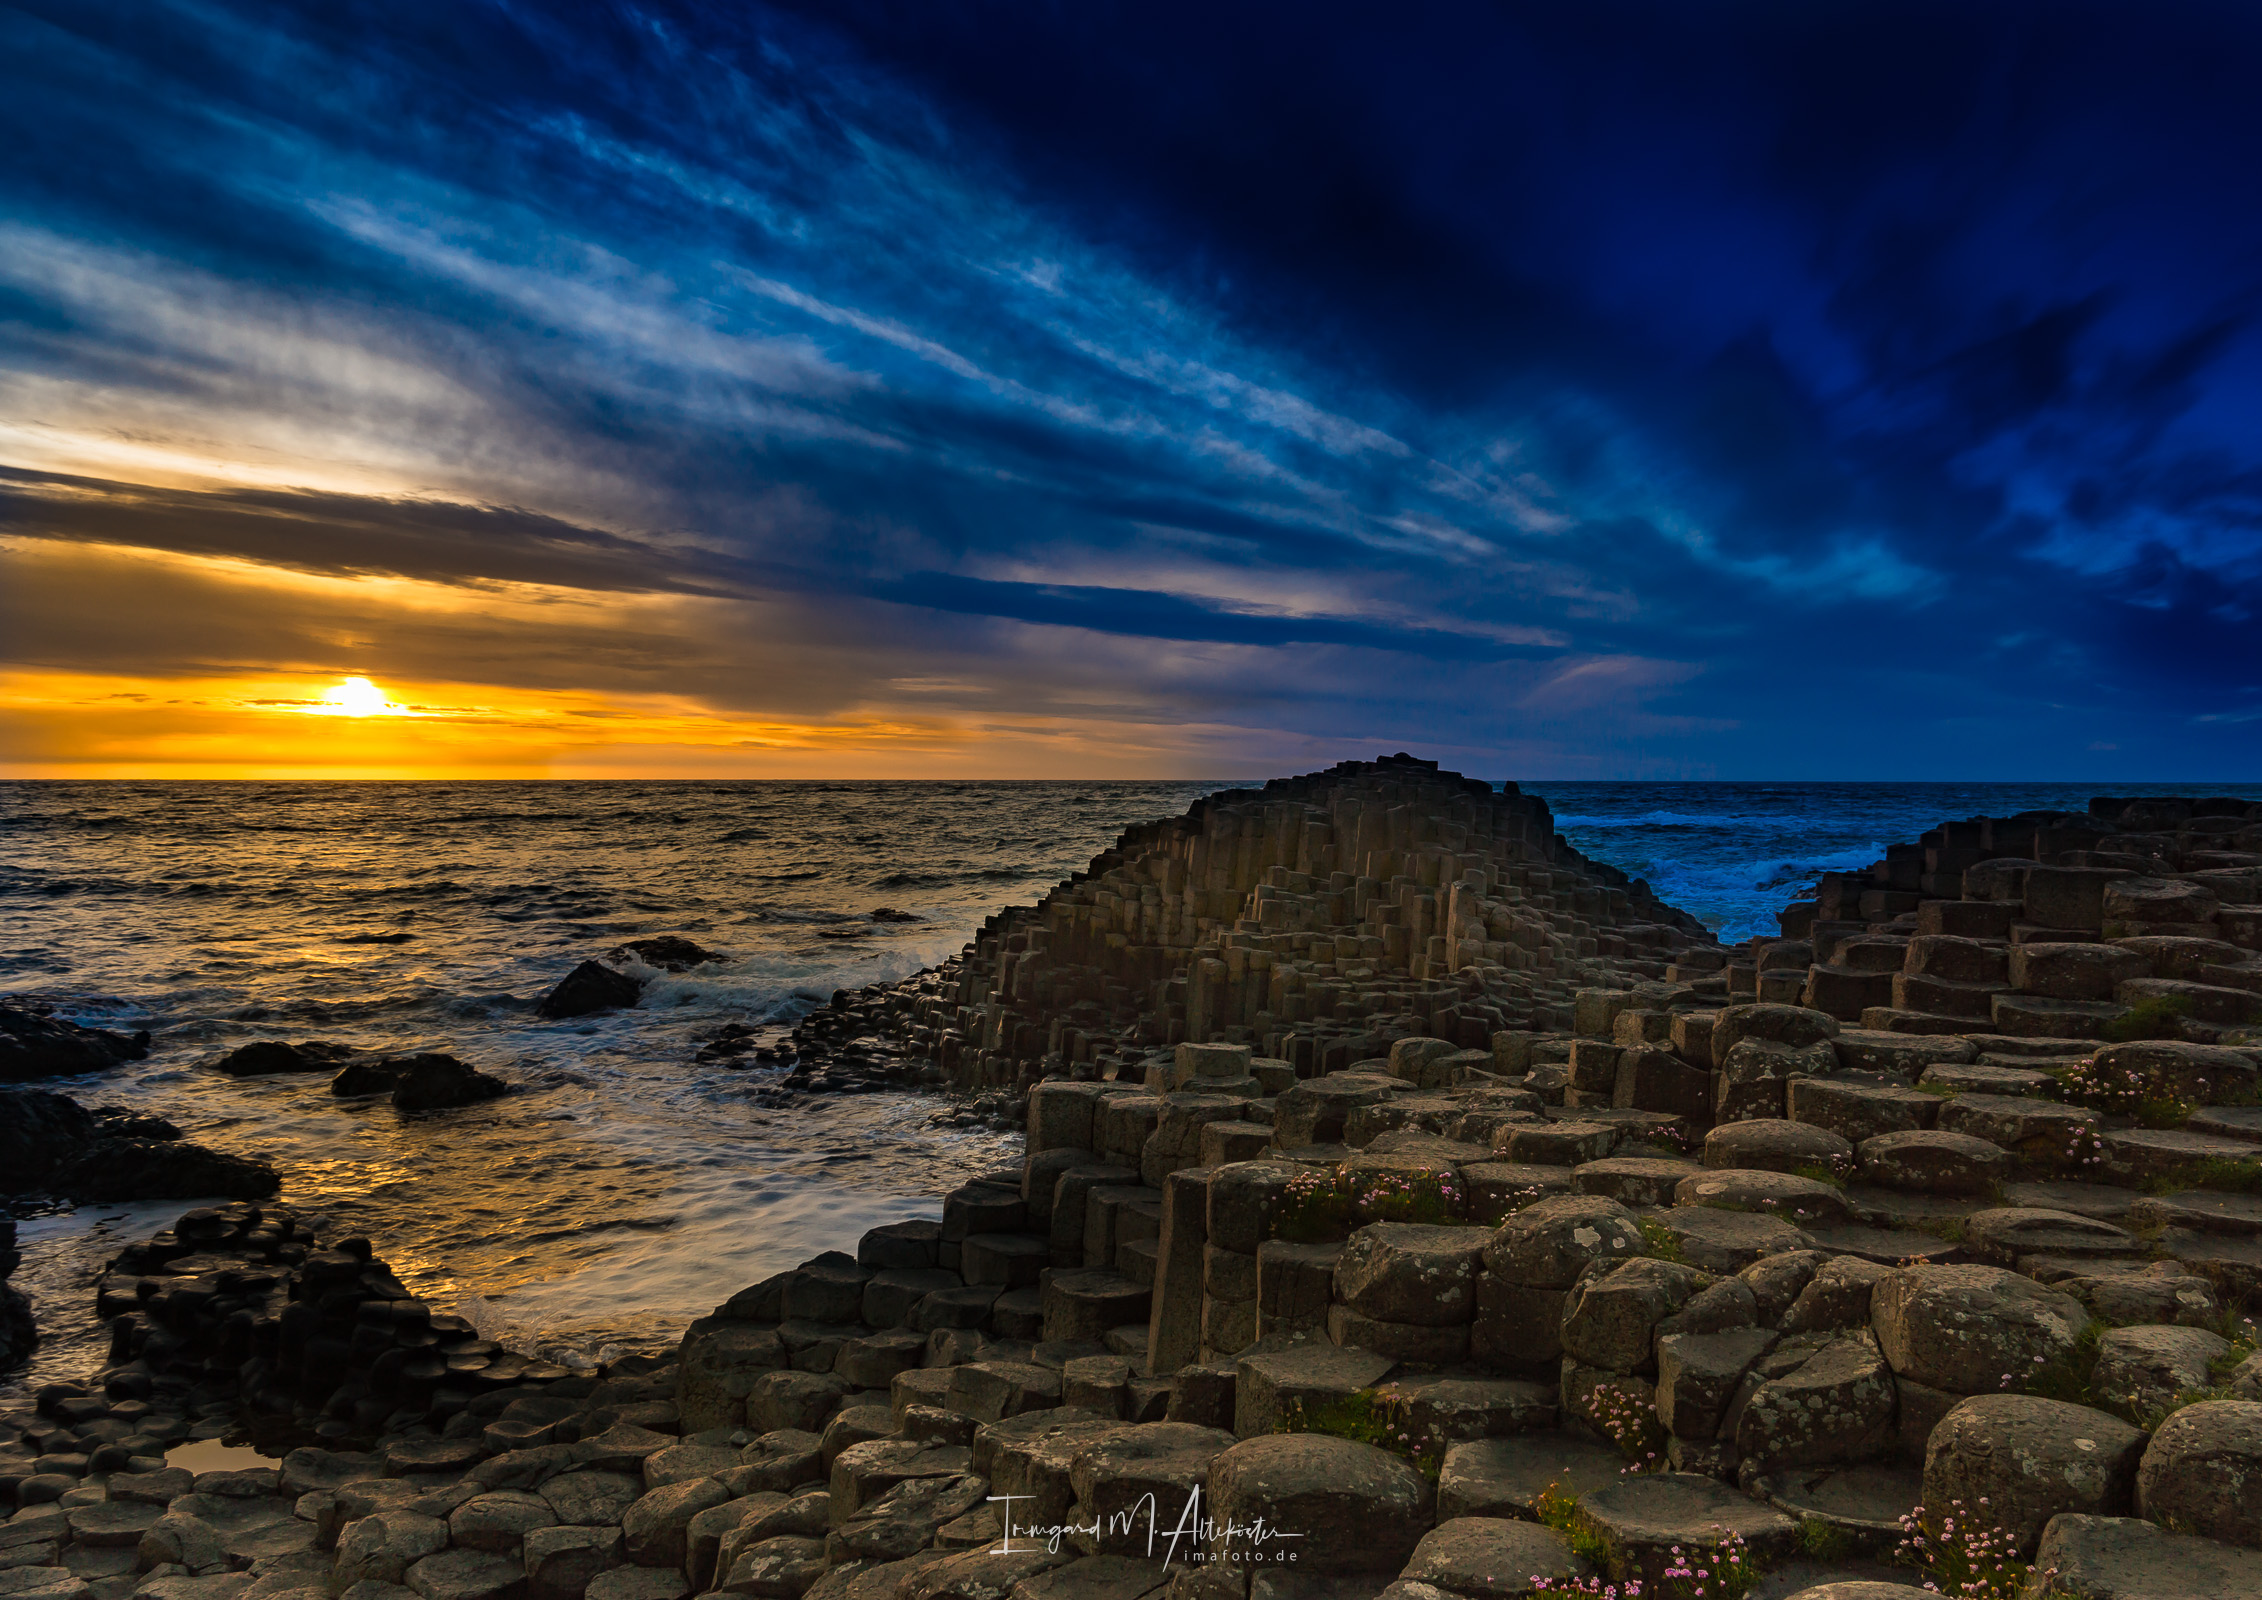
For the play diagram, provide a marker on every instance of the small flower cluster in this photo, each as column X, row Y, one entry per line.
column 2120, row 1091
column 1425, row 1197
column 1316, row 1207
column 1631, row 1422
column 2083, row 1151
column 2010, row 1378
column 1722, row 1570
column 1962, row 1553
column 1597, row 1588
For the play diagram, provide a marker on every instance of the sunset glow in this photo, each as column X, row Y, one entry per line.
column 358, row 697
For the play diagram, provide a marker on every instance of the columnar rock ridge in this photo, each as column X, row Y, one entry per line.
column 1660, row 1261
column 1314, row 919
column 2042, row 925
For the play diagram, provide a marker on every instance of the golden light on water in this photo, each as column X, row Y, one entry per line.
column 357, row 697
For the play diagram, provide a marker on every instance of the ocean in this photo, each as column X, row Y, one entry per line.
column 627, row 1188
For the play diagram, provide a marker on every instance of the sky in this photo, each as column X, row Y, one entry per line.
column 917, row 388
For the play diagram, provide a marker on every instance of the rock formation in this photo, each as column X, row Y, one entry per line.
column 36, row 1045
column 1399, row 1190
column 1315, row 919
column 51, row 1145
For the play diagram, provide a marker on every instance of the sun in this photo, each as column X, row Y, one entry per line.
column 356, row 697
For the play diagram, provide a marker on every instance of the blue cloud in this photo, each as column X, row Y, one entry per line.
column 1867, row 392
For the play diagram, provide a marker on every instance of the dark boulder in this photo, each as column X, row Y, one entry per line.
column 367, row 1077
column 161, row 1169
column 890, row 914
column 668, row 953
column 36, row 1046
column 428, row 1081
column 592, row 986
column 436, row 1082
column 50, row 1144
column 18, row 1332
column 116, row 1122
column 39, row 1130
column 266, row 1057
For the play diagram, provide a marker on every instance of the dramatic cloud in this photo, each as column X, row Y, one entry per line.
column 1617, row 389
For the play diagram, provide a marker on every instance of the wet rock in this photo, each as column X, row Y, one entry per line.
column 2203, row 1471
column 34, row 1045
column 111, row 1170
column 435, row 1082
column 269, row 1057
column 668, row 952
column 51, row 1144
column 587, row 989
column 2031, row 1459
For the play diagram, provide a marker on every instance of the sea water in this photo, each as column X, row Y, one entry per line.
column 626, row 1188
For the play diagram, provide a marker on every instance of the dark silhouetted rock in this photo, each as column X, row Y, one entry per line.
column 668, row 952
column 35, row 1046
column 116, row 1122
column 38, row 1131
column 368, row 1077
column 436, row 1082
column 265, row 1057
column 592, row 986
column 427, row 1081
column 890, row 914
column 150, row 1169
column 50, row 1144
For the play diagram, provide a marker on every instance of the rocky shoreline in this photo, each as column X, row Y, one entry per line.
column 1410, row 1207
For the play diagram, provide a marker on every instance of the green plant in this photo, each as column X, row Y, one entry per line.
column 1830, row 1172
column 2158, row 1017
column 2077, row 1154
column 1824, row 1541
column 2231, row 1174
column 1659, row 1241
column 1558, row 1509
column 1722, row 1570
column 2068, row 1377
column 1370, row 1416
column 2149, row 1097
column 1315, row 1208
column 1961, row 1553
column 1434, row 1198
column 1628, row 1416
